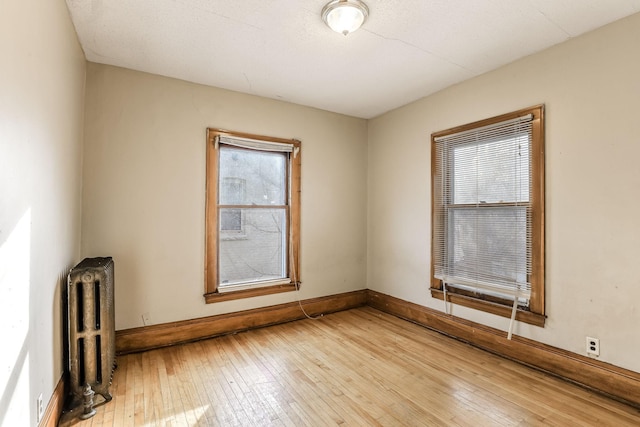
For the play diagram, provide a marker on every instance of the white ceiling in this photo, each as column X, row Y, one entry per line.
column 281, row 49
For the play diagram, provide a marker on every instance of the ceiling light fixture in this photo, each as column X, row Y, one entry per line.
column 345, row 16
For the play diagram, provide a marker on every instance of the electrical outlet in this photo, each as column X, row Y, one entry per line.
column 39, row 408
column 146, row 319
column 593, row 347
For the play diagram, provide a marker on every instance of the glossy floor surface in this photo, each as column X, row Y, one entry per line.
column 359, row 368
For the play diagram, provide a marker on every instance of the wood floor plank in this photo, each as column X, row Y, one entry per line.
column 357, row 367
column 321, row 375
column 262, row 383
column 403, row 371
column 174, row 375
column 118, row 389
column 207, row 396
column 377, row 371
column 227, row 411
column 273, row 365
column 240, row 411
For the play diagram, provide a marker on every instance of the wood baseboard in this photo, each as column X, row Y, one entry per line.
column 155, row 336
column 55, row 406
column 618, row 383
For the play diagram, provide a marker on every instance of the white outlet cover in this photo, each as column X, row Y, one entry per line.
column 593, row 346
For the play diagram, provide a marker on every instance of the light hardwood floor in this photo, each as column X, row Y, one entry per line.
column 356, row 367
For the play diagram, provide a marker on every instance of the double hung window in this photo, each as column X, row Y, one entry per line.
column 253, row 215
column 488, row 215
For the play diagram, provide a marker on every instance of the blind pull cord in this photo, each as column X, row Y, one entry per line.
column 446, row 306
column 513, row 316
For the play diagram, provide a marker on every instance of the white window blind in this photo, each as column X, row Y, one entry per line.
column 482, row 209
column 255, row 144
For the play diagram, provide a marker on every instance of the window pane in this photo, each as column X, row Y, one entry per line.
column 260, row 253
column 249, row 177
column 491, row 172
column 489, row 244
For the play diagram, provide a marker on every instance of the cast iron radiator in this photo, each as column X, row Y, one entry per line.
column 92, row 345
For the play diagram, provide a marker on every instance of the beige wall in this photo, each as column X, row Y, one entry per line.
column 591, row 87
column 144, row 190
column 42, row 72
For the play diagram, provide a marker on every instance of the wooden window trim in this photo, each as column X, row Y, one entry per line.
column 497, row 308
column 249, row 293
column 536, row 313
column 211, row 292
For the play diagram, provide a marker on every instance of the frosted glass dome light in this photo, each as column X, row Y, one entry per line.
column 345, row 16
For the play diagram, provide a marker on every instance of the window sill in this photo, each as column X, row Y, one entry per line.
column 490, row 307
column 249, row 293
